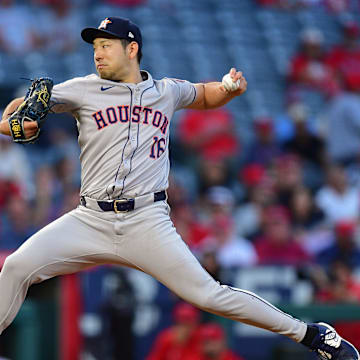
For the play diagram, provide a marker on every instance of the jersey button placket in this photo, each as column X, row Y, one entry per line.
column 137, row 96
column 134, row 128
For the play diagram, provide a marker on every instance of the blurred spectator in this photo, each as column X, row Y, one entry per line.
column 284, row 124
column 8, row 189
column 337, row 199
column 14, row 166
column 308, row 222
column 18, row 29
column 305, row 215
column 220, row 201
column 231, row 250
column 344, row 58
column 213, row 344
column 252, row 174
column 62, row 144
column 260, row 191
column 55, row 191
column 209, row 134
column 191, row 229
column 59, row 23
column 181, row 340
column 64, row 172
column 340, row 286
column 308, row 67
column 213, row 172
column 288, row 176
column 344, row 249
column 46, row 190
column 343, row 127
column 63, row 154
column 305, row 144
column 276, row 245
column 264, row 149
column 16, row 223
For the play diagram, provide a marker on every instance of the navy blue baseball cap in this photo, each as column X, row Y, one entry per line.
column 118, row 27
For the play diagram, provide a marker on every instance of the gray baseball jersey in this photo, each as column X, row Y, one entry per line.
column 123, row 136
column 123, row 131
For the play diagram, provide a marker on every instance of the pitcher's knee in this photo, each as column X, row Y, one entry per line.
column 216, row 299
column 14, row 267
column 200, row 301
column 212, row 304
column 206, row 297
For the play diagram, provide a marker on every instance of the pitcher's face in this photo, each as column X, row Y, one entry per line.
column 110, row 58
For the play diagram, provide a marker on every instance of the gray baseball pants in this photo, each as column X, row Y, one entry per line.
column 144, row 239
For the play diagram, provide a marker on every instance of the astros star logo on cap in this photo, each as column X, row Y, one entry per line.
column 104, row 23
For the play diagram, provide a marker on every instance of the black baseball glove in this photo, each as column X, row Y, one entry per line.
column 35, row 107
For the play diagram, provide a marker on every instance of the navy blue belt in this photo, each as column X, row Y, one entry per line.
column 123, row 205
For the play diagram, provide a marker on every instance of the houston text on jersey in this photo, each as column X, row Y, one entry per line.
column 121, row 114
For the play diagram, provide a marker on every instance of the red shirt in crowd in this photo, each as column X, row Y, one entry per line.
column 346, row 62
column 313, row 73
column 210, row 133
column 167, row 346
column 226, row 355
column 289, row 253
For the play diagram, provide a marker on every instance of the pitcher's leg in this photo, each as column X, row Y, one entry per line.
column 65, row 246
column 191, row 282
column 159, row 251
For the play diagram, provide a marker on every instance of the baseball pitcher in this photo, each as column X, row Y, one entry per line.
column 123, row 117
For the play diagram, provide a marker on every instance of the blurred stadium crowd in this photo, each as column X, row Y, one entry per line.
column 273, row 179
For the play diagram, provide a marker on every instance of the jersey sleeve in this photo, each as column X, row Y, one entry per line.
column 183, row 92
column 68, row 96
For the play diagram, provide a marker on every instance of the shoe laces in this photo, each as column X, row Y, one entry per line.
column 328, row 344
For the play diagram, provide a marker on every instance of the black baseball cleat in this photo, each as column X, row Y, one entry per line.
column 329, row 345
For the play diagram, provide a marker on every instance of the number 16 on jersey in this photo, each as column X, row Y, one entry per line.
column 158, row 147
